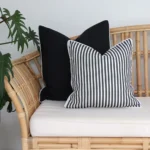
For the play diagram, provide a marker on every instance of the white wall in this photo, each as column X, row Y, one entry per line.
column 70, row 17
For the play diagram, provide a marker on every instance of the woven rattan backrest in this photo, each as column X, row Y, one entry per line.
column 141, row 37
column 26, row 84
column 27, row 70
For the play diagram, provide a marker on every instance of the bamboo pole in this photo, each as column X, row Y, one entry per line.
column 138, row 63
column 116, row 146
column 32, row 55
column 54, row 146
column 58, row 140
column 116, row 140
column 126, row 35
column 122, row 36
column 145, row 49
column 37, row 65
column 114, row 39
column 130, row 29
column 145, row 144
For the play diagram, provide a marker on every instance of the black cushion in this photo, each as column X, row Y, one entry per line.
column 55, row 58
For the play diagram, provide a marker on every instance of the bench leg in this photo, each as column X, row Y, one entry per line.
column 25, row 145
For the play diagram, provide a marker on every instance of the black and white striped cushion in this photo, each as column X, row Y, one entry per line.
column 101, row 80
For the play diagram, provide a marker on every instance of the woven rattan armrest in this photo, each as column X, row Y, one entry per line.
column 24, row 88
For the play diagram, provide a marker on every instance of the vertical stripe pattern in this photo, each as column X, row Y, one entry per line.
column 101, row 80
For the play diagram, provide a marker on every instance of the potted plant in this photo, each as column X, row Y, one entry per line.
column 20, row 35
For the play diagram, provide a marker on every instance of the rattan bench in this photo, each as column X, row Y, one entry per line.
column 24, row 91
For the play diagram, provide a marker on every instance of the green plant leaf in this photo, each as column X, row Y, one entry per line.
column 6, row 17
column 17, row 28
column 18, row 32
column 32, row 36
column 6, row 12
column 5, row 70
column 4, row 100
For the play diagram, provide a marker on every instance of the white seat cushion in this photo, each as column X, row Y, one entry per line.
column 52, row 119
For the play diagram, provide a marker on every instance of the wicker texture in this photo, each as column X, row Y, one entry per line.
column 25, row 87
